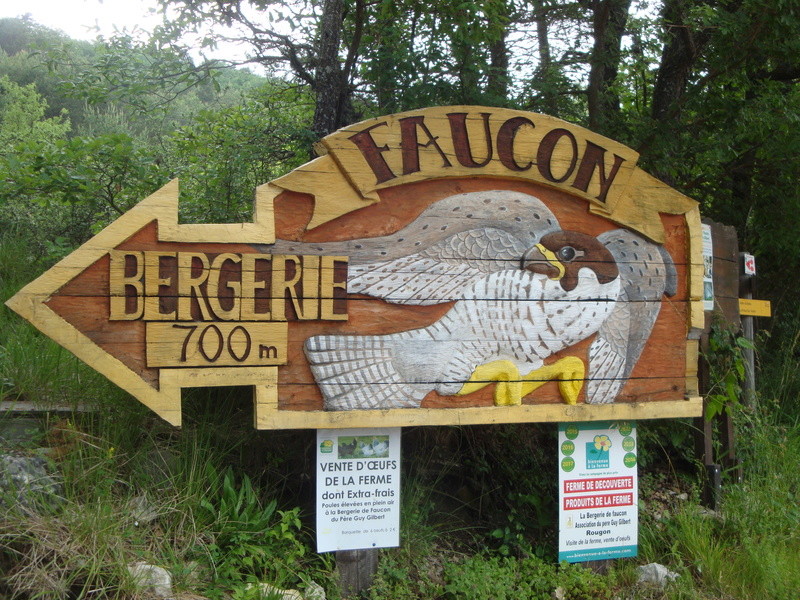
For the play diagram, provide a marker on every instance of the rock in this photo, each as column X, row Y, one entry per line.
column 709, row 513
column 270, row 591
column 314, row 591
column 655, row 574
column 194, row 573
column 559, row 594
column 151, row 579
column 24, row 481
column 161, row 466
column 142, row 512
column 20, row 431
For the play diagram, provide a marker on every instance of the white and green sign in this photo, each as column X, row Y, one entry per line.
column 597, row 491
column 358, row 489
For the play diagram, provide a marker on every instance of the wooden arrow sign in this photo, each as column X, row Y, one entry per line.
column 450, row 265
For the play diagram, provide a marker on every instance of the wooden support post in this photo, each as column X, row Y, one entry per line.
column 357, row 569
column 726, row 300
column 713, row 486
column 746, row 289
column 601, row 567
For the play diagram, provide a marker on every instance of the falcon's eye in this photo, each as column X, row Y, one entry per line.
column 567, row 253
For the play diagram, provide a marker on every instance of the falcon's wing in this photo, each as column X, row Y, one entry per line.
column 451, row 244
column 647, row 273
column 440, row 272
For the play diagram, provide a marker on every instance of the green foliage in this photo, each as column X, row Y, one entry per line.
column 749, row 550
column 22, row 117
column 495, row 578
column 144, row 74
column 33, row 367
column 71, row 188
column 248, row 543
column 18, row 35
column 726, row 368
column 516, row 459
column 215, row 535
column 668, row 442
column 527, row 514
column 223, row 155
column 414, row 57
column 779, row 376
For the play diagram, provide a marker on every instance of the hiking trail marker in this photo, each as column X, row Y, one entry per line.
column 451, row 265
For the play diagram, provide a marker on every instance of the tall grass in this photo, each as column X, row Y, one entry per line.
column 137, row 489
column 750, row 550
column 32, row 367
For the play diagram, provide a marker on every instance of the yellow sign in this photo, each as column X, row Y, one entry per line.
column 754, row 308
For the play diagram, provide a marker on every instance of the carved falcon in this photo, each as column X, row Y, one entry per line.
column 523, row 289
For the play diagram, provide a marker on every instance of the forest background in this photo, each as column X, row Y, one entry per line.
column 707, row 92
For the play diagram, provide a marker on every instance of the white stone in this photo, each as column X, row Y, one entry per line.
column 142, row 511
column 314, row 591
column 655, row 574
column 151, row 579
column 270, row 591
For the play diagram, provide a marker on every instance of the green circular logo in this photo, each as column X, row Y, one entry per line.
column 629, row 460
column 567, row 448
column 625, row 428
column 571, row 431
column 628, row 444
column 567, row 464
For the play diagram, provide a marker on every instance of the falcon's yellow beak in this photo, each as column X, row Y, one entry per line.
column 541, row 260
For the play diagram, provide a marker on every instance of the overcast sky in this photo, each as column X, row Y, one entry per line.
column 78, row 18
column 86, row 19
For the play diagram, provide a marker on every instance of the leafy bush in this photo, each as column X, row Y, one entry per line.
column 247, row 542
column 498, row 578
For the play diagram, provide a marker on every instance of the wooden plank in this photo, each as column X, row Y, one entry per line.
column 726, row 271
column 26, row 406
column 545, row 413
column 201, row 344
column 462, row 142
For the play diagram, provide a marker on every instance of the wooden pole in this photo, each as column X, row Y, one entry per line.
column 746, row 288
column 357, row 569
column 726, row 301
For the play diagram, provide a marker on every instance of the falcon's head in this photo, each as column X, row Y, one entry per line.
column 561, row 255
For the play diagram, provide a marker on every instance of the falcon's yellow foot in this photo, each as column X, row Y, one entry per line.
column 511, row 387
column 570, row 373
column 508, row 391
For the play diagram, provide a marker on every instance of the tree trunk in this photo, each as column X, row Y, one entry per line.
column 545, row 71
column 677, row 59
column 329, row 83
column 609, row 19
column 497, row 82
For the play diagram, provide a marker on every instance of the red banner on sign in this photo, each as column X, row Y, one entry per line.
column 602, row 501
column 572, row 486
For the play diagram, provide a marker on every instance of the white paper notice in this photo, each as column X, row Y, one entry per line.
column 708, row 268
column 358, row 489
column 598, row 491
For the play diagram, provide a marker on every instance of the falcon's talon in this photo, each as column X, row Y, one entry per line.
column 508, row 391
column 511, row 387
column 570, row 373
